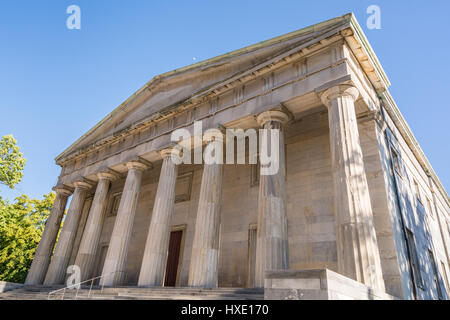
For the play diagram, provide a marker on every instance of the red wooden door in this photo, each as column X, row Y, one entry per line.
column 173, row 258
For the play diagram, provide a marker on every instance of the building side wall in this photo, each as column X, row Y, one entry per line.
column 384, row 210
column 419, row 216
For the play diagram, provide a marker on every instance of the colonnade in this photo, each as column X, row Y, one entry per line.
column 357, row 249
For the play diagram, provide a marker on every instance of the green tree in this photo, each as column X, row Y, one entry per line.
column 12, row 162
column 21, row 225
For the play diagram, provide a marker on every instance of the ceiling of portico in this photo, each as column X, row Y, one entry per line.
column 310, row 103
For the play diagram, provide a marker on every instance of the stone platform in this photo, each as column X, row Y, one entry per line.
column 317, row 284
column 132, row 293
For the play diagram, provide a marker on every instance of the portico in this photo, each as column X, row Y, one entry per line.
column 272, row 247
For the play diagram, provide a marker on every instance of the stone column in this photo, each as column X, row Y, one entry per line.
column 271, row 235
column 89, row 242
column 357, row 249
column 114, row 268
column 58, row 266
column 157, row 245
column 41, row 260
column 205, row 248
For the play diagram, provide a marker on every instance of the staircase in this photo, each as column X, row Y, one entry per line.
column 131, row 293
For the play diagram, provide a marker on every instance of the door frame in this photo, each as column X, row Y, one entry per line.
column 182, row 228
column 251, row 270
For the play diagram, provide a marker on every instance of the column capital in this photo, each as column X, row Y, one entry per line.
column 108, row 174
column 273, row 115
column 213, row 135
column 137, row 164
column 165, row 153
column 63, row 189
column 83, row 184
column 341, row 90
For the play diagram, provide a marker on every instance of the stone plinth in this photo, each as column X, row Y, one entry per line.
column 317, row 284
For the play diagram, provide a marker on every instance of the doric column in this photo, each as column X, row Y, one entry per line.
column 357, row 249
column 89, row 242
column 114, row 268
column 271, row 234
column 57, row 270
column 205, row 248
column 41, row 260
column 157, row 245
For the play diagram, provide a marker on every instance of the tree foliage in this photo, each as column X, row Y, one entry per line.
column 12, row 162
column 21, row 225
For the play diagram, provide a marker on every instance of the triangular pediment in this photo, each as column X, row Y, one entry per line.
column 173, row 88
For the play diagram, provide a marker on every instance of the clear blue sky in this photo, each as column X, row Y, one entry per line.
column 55, row 83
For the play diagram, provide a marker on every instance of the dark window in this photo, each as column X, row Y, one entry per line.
column 115, row 202
column 396, row 162
column 435, row 274
column 448, row 227
column 254, row 175
column 430, row 208
column 417, row 191
column 183, row 187
column 414, row 259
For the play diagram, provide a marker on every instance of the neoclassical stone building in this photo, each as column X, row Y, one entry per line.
column 355, row 193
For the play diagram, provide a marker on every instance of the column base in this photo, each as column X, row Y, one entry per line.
column 317, row 284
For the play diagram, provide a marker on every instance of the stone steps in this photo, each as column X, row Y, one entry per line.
column 134, row 293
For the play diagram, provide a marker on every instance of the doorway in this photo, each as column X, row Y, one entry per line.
column 251, row 255
column 173, row 258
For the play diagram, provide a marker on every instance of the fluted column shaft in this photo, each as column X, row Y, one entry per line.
column 57, row 270
column 357, row 249
column 205, row 249
column 41, row 259
column 157, row 245
column 114, row 268
column 89, row 242
column 272, row 249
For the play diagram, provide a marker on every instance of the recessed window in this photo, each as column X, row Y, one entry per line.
column 396, row 161
column 254, row 174
column 417, row 191
column 414, row 259
column 183, row 187
column 435, row 274
column 430, row 208
column 115, row 202
column 448, row 228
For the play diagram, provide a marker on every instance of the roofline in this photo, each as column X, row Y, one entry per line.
column 373, row 57
column 407, row 134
